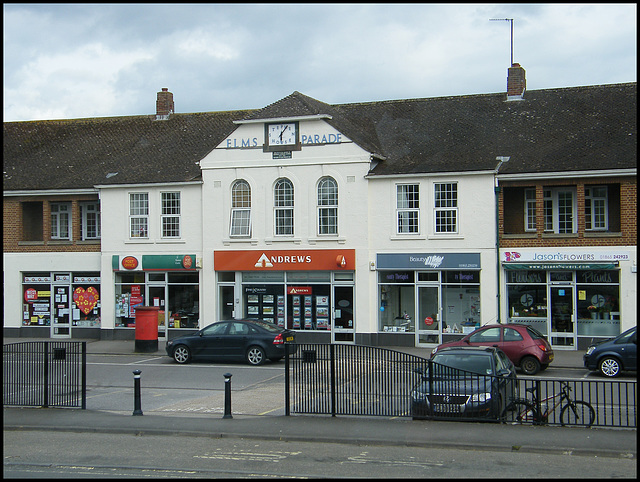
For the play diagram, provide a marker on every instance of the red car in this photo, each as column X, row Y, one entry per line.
column 525, row 346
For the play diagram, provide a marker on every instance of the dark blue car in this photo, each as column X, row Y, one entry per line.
column 611, row 357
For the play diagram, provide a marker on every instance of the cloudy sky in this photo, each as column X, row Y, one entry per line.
column 93, row 60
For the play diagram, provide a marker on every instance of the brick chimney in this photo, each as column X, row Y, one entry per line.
column 516, row 82
column 164, row 104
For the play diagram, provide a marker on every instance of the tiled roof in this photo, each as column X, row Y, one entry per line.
column 570, row 129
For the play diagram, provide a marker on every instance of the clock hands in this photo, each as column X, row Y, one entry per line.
column 282, row 132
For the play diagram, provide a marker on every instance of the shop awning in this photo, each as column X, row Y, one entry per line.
column 551, row 266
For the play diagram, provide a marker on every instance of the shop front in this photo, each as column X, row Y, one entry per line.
column 309, row 291
column 169, row 282
column 571, row 302
column 428, row 297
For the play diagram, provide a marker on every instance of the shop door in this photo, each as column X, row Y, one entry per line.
column 562, row 325
column 428, row 320
column 61, row 316
column 343, row 321
column 156, row 297
column 225, row 302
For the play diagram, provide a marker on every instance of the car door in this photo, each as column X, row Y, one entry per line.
column 212, row 341
column 628, row 351
column 512, row 343
column 508, row 382
column 236, row 340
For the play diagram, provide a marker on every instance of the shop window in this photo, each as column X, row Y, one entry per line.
column 240, row 209
column 139, row 215
column 86, row 300
column 32, row 215
column 408, row 208
column 283, row 207
column 598, row 302
column 170, row 217
column 60, row 220
column 129, row 288
column 460, row 301
column 559, row 210
column 184, row 300
column 327, row 206
column 36, row 299
column 446, row 208
column 90, row 220
column 397, row 301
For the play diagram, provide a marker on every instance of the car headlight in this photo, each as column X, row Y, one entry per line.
column 169, row 343
column 481, row 397
column 590, row 350
column 418, row 396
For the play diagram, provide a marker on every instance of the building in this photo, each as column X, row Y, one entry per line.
column 403, row 222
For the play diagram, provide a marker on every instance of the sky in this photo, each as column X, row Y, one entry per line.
column 68, row 61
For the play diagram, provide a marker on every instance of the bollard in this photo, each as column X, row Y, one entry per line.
column 136, row 393
column 227, row 396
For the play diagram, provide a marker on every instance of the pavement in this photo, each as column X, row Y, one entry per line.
column 601, row 442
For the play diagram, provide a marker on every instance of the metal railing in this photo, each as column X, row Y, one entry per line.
column 45, row 374
column 336, row 379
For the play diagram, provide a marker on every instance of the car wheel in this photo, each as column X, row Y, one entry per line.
column 255, row 355
column 530, row 365
column 610, row 367
column 181, row 354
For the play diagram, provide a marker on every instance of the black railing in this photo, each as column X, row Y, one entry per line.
column 337, row 379
column 45, row 374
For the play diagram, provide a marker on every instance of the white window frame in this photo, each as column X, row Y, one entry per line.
column 596, row 208
column 327, row 207
column 240, row 224
column 556, row 210
column 283, row 204
column 408, row 208
column 530, row 210
column 139, row 215
column 170, row 217
column 445, row 208
column 61, row 220
column 90, row 215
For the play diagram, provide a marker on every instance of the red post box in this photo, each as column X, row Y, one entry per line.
column 146, row 329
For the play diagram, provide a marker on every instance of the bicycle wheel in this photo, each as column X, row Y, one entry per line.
column 524, row 411
column 577, row 413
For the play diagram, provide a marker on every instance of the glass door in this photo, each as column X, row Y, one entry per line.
column 562, row 316
column 156, row 297
column 428, row 321
column 225, row 303
column 343, row 322
column 61, row 312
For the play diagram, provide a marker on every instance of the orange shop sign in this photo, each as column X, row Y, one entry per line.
column 285, row 260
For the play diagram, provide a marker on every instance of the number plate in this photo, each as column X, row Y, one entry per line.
column 289, row 338
column 551, row 357
column 444, row 408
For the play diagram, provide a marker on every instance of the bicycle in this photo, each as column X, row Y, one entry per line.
column 574, row 412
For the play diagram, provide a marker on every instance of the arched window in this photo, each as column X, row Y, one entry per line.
column 240, row 209
column 283, row 207
column 327, row 206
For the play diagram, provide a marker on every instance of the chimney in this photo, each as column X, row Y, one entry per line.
column 516, row 82
column 164, row 104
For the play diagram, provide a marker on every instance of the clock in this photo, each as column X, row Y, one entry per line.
column 526, row 300
column 282, row 135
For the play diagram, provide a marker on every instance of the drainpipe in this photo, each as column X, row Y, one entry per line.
column 496, row 189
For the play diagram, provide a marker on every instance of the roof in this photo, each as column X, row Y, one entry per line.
column 551, row 130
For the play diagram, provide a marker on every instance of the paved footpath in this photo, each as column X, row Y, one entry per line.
column 601, row 442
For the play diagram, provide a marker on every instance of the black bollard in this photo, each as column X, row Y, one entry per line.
column 137, row 410
column 227, row 396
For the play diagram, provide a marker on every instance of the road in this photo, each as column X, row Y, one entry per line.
column 82, row 455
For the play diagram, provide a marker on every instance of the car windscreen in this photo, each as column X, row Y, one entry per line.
column 475, row 363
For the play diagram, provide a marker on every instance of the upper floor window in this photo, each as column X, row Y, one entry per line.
column 408, row 208
column 446, row 207
column 596, row 208
column 139, row 214
column 90, row 220
column 559, row 209
column 240, row 209
column 529, row 209
column 170, row 217
column 60, row 220
column 327, row 206
column 32, row 221
column 283, row 207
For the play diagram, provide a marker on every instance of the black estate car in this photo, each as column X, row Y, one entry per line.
column 233, row 340
column 469, row 381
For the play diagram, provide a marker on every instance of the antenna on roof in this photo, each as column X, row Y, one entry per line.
column 506, row 20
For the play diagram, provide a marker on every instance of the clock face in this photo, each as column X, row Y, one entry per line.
column 282, row 134
column 526, row 300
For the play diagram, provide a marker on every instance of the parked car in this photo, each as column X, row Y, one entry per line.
column 525, row 346
column 233, row 340
column 610, row 357
column 466, row 382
